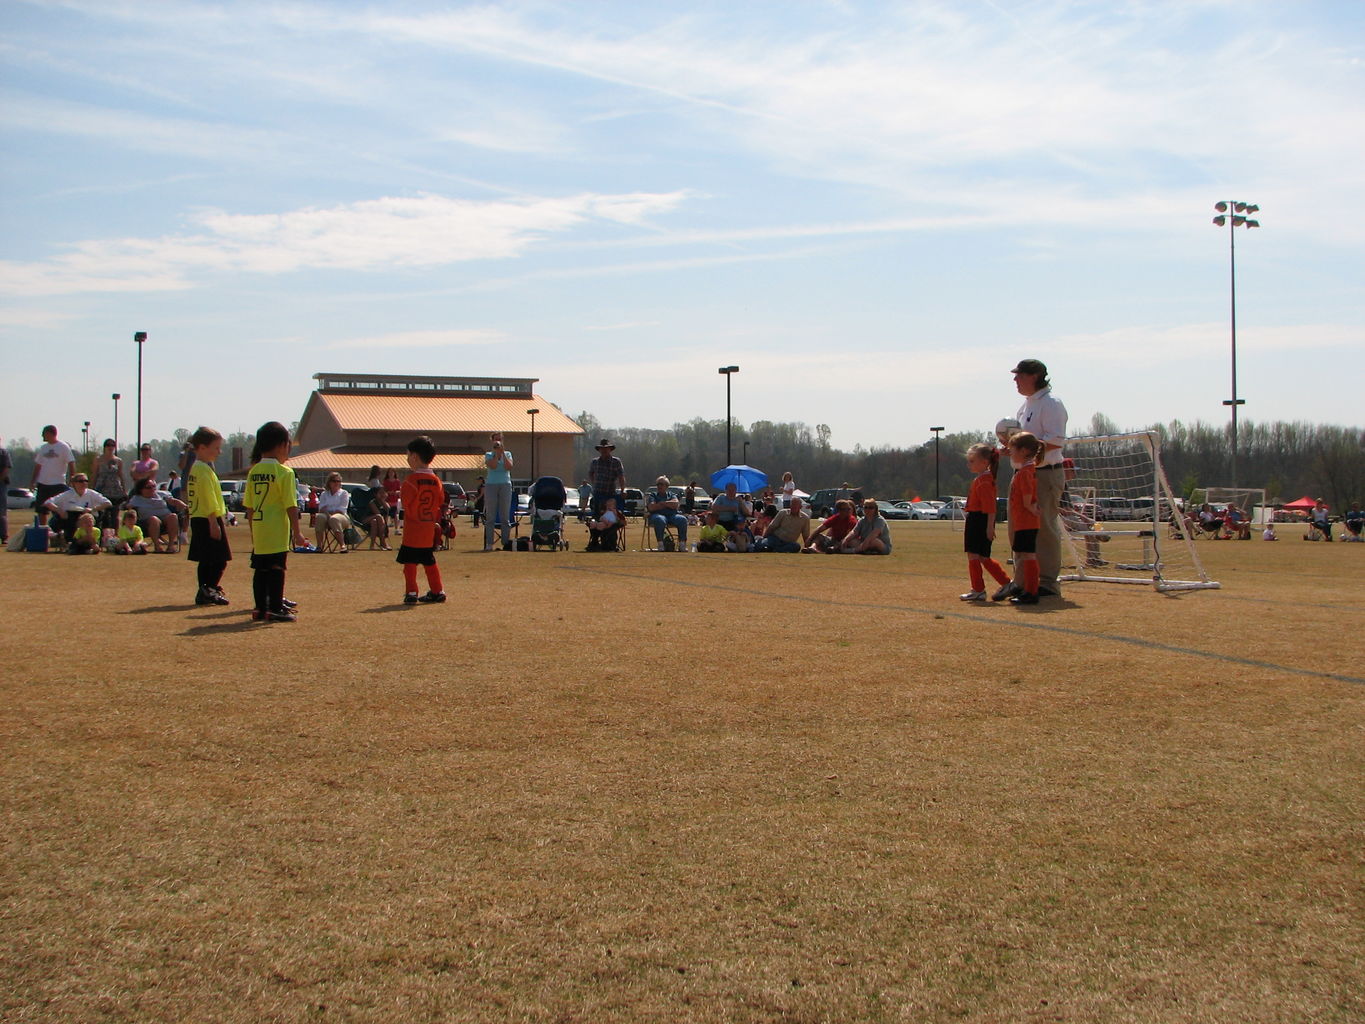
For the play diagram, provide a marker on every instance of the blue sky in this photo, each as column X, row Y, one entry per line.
column 873, row 209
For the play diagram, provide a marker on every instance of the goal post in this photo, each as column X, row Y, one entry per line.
column 1121, row 521
column 1251, row 500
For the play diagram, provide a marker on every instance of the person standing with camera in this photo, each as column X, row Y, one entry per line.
column 497, row 493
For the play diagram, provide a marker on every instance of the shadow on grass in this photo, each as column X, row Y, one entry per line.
column 211, row 629
column 383, row 608
column 156, row 608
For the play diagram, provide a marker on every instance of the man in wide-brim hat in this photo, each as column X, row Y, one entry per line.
column 608, row 477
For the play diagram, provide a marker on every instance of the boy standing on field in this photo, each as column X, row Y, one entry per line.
column 423, row 500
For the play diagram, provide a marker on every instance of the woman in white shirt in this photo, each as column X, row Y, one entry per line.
column 334, row 506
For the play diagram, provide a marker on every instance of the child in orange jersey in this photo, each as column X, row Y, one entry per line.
column 979, row 528
column 423, row 499
column 1024, row 519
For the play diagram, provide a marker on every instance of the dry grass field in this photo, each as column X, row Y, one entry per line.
column 676, row 787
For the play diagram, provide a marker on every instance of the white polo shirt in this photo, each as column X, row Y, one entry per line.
column 1045, row 418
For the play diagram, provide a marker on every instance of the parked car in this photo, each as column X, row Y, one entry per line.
column 922, row 510
column 233, row 491
column 634, row 499
column 456, row 498
column 18, row 497
column 701, row 500
column 822, row 501
column 1113, row 510
column 890, row 511
column 572, row 501
column 955, row 509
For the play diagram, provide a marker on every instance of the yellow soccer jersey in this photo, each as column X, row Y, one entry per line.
column 203, row 493
column 270, row 493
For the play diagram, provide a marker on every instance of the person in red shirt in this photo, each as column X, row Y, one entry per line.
column 1024, row 516
column 831, row 533
column 979, row 528
column 423, row 501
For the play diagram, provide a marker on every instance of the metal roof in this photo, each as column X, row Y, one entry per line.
column 440, row 414
column 329, row 458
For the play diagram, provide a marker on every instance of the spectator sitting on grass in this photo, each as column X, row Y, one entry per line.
column 789, row 531
column 129, row 539
column 713, row 535
column 85, row 538
column 871, row 536
column 830, row 534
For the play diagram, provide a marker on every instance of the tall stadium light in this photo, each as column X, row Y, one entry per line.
column 729, row 451
column 85, row 438
column 532, row 413
column 1233, row 215
column 938, row 494
column 139, row 339
column 116, row 396
column 744, row 458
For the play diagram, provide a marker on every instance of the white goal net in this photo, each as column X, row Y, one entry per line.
column 1122, row 523
column 1250, row 501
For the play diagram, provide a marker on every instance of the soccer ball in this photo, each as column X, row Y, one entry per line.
column 1006, row 429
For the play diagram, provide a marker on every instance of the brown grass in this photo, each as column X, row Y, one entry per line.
column 668, row 787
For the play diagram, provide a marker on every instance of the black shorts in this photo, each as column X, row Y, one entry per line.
column 203, row 548
column 1026, row 541
column 415, row 556
column 974, row 539
column 271, row 560
column 44, row 491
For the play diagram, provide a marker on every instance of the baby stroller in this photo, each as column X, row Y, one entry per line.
column 547, row 514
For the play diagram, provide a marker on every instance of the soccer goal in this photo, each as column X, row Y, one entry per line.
column 1251, row 500
column 1122, row 522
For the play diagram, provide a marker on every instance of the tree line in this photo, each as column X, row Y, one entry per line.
column 1288, row 460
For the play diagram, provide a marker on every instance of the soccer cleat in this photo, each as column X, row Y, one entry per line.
column 288, row 604
column 283, row 615
column 219, row 597
column 1025, row 598
column 430, row 598
column 204, row 595
column 410, row 598
column 1008, row 590
column 973, row 595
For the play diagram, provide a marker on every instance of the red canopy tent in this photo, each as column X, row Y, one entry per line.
column 1305, row 504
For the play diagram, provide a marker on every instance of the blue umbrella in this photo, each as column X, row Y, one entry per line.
column 745, row 478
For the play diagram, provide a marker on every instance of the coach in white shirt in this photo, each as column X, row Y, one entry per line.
column 1045, row 418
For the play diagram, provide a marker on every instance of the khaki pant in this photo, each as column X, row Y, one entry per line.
column 1050, row 482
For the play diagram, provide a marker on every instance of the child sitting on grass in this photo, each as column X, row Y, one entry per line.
column 85, row 539
column 129, row 539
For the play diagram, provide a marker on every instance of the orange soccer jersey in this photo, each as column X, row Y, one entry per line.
column 1023, row 493
column 981, row 497
column 423, row 500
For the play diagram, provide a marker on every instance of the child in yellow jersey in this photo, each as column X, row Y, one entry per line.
column 129, row 540
column 208, row 517
column 272, row 507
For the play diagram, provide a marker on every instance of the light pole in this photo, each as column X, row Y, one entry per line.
column 116, row 396
column 139, row 339
column 937, row 490
column 729, row 451
column 85, row 438
column 745, row 457
column 532, row 414
column 1240, row 218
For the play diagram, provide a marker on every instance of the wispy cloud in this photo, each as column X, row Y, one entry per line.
column 381, row 234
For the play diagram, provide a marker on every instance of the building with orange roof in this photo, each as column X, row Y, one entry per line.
column 355, row 421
